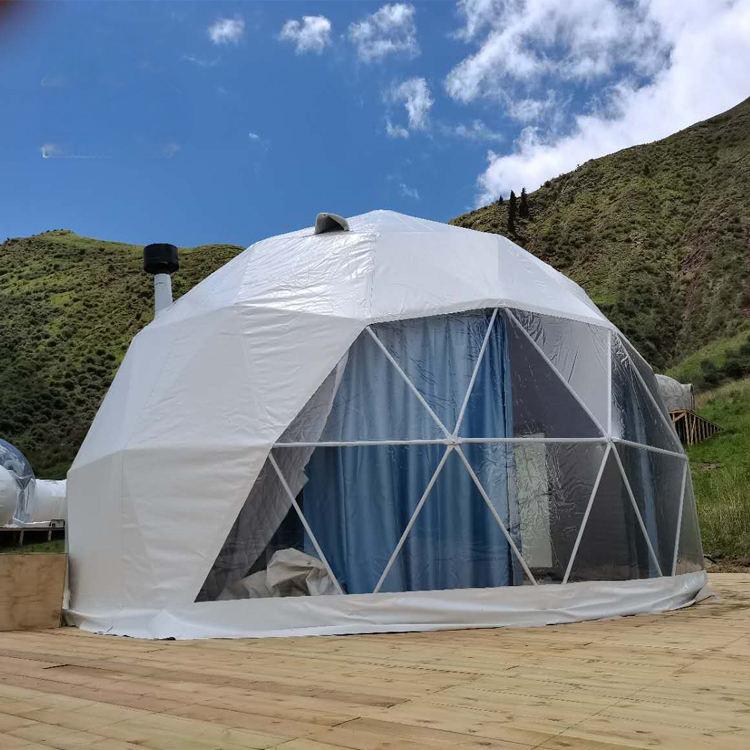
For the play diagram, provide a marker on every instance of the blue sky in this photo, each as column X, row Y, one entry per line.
column 228, row 122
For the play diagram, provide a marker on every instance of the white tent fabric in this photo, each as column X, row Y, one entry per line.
column 676, row 395
column 164, row 486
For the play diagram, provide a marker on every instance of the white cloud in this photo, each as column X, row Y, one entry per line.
column 311, row 34
column 408, row 192
column 474, row 131
column 201, row 62
column 414, row 95
column 226, row 30
column 50, row 151
column 170, row 149
column 253, row 136
column 704, row 73
column 390, row 29
column 526, row 40
column 56, row 151
column 395, row 131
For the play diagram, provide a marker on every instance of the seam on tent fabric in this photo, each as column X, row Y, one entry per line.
column 517, row 324
column 490, row 304
column 637, row 512
column 587, row 513
column 667, row 424
column 495, row 514
column 301, row 515
column 215, row 548
column 679, row 518
column 413, row 519
column 145, row 409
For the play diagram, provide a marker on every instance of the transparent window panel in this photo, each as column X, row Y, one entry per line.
column 455, row 541
column 267, row 553
column 438, row 354
column 690, row 549
column 517, row 393
column 579, row 352
column 656, row 481
column 646, row 373
column 543, row 490
column 364, row 398
column 634, row 415
column 358, row 500
column 612, row 546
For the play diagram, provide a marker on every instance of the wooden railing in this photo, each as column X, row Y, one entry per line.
column 692, row 428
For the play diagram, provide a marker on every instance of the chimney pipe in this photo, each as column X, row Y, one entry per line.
column 161, row 260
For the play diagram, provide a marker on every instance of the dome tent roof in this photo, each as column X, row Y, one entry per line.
column 207, row 389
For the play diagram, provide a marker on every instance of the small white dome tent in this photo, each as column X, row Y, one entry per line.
column 402, row 426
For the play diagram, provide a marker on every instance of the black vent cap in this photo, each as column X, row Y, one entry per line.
column 160, row 258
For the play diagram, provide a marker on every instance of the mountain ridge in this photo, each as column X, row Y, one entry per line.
column 657, row 234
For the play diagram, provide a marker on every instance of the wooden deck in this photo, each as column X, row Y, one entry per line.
column 679, row 680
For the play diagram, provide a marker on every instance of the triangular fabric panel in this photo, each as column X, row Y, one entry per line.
column 613, row 547
column 544, row 490
column 578, row 351
column 455, row 541
column 635, row 417
column 358, row 501
column 689, row 550
column 364, row 398
column 656, row 481
column 267, row 552
column 517, row 393
column 453, row 344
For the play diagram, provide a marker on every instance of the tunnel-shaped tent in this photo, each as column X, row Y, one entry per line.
column 405, row 425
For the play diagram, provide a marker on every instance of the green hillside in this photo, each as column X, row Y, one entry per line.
column 658, row 235
column 70, row 306
column 721, row 473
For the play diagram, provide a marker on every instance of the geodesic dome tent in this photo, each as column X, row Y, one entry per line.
column 16, row 485
column 402, row 426
column 675, row 395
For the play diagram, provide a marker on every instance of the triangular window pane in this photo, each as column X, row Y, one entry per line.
column 358, row 501
column 613, row 547
column 267, row 552
column 455, row 541
column 578, row 351
column 689, row 550
column 517, row 393
column 544, row 489
column 364, row 398
column 635, row 417
column 656, row 481
column 438, row 354
column 646, row 373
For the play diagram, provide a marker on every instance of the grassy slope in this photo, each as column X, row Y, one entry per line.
column 70, row 307
column 658, row 234
column 721, row 472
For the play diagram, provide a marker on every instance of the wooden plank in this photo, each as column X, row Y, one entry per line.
column 673, row 680
column 31, row 590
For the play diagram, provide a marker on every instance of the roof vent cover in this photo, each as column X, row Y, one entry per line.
column 325, row 222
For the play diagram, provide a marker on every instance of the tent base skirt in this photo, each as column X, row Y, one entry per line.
column 521, row 606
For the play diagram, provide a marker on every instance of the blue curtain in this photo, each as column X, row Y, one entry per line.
column 358, row 500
